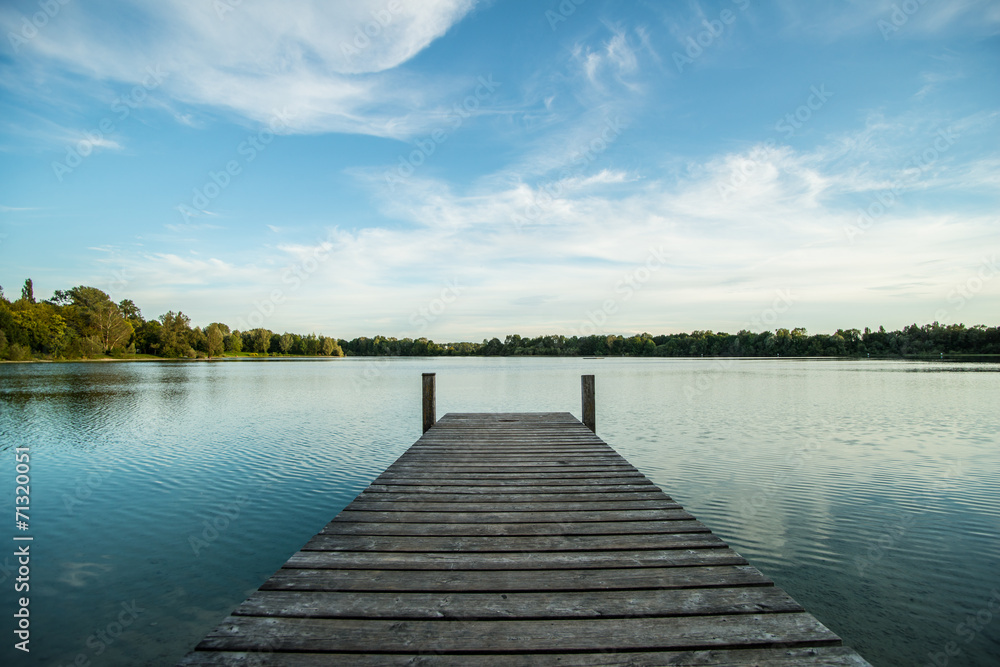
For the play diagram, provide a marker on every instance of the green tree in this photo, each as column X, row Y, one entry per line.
column 310, row 345
column 261, row 339
column 198, row 340
column 285, row 342
column 234, row 342
column 215, row 340
column 113, row 330
column 492, row 348
column 28, row 291
column 93, row 315
column 130, row 311
column 43, row 326
column 175, row 333
column 147, row 337
column 330, row 347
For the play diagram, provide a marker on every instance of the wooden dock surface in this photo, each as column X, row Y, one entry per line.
column 517, row 539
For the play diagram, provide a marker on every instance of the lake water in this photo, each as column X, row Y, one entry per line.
column 867, row 489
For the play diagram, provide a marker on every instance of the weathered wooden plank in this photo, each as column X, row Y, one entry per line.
column 543, row 418
column 546, row 459
column 550, row 417
column 540, row 458
column 365, row 505
column 516, row 465
column 518, row 458
column 522, row 442
column 813, row 656
column 462, row 455
column 548, row 604
column 446, row 496
column 488, row 434
column 453, row 636
column 507, row 429
column 513, row 517
column 545, row 560
column 514, row 477
column 509, row 450
column 493, row 433
column 485, row 437
column 698, row 537
column 501, row 468
column 579, row 483
column 508, row 581
column 524, row 445
column 553, row 490
column 473, row 529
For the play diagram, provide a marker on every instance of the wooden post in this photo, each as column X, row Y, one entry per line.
column 430, row 408
column 589, row 416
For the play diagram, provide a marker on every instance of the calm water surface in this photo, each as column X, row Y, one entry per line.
column 868, row 490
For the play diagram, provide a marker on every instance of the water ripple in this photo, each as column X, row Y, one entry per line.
column 867, row 489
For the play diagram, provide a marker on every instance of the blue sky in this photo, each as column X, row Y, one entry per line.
column 462, row 170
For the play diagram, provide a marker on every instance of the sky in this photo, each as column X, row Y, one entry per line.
column 463, row 169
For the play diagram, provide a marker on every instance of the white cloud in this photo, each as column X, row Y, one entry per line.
column 303, row 55
column 614, row 60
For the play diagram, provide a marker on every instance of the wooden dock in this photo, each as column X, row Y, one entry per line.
column 517, row 539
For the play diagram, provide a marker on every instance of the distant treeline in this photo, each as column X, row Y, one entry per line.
column 928, row 340
column 84, row 322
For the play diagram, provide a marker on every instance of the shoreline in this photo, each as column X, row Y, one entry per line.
column 947, row 357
